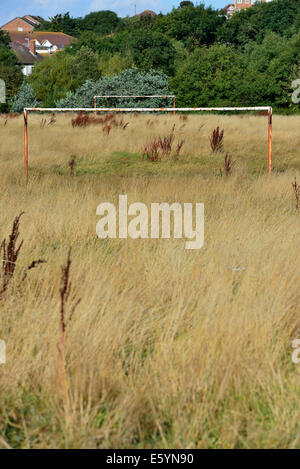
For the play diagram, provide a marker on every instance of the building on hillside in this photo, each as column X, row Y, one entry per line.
column 37, row 20
column 147, row 13
column 32, row 47
column 27, row 56
column 229, row 10
column 45, row 42
column 25, row 23
column 243, row 4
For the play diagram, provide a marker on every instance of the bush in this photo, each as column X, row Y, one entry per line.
column 128, row 82
column 25, row 98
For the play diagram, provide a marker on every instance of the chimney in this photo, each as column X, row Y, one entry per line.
column 32, row 46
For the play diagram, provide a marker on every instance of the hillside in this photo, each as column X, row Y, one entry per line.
column 252, row 58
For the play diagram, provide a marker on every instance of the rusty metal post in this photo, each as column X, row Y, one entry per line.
column 270, row 140
column 95, row 105
column 26, row 143
column 174, row 105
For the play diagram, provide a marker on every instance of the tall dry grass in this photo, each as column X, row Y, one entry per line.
column 167, row 348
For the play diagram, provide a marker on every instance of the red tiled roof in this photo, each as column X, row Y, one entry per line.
column 29, row 19
column 32, row 19
column 24, row 55
column 147, row 13
column 57, row 39
column 31, row 23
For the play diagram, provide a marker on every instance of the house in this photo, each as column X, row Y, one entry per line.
column 147, row 13
column 229, row 10
column 27, row 56
column 33, row 46
column 45, row 42
column 242, row 4
column 25, row 23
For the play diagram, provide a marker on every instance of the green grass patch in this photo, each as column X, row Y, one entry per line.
column 125, row 164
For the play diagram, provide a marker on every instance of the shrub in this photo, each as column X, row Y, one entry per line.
column 216, row 140
column 128, row 82
column 25, row 98
column 160, row 147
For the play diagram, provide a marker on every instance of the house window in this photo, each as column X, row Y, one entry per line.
column 239, row 1
column 246, row 1
column 20, row 29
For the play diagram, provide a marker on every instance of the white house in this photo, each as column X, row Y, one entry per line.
column 34, row 46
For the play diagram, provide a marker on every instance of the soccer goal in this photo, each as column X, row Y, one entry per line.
column 265, row 109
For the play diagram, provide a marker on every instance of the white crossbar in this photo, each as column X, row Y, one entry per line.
column 151, row 109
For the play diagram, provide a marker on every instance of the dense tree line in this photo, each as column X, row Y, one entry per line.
column 101, row 22
column 9, row 69
column 251, row 58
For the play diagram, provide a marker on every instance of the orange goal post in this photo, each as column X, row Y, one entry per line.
column 266, row 109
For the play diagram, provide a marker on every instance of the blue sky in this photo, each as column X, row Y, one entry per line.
column 9, row 9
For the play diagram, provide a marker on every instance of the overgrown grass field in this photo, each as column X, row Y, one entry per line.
column 167, row 348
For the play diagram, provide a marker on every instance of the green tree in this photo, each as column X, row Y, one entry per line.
column 7, row 57
column 112, row 64
column 271, row 68
column 63, row 23
column 152, row 50
column 283, row 69
column 53, row 78
column 100, row 22
column 222, row 75
column 86, row 65
column 4, row 38
column 254, row 23
column 95, row 42
column 13, row 78
column 134, row 23
column 148, row 49
column 56, row 75
column 194, row 26
column 186, row 3
column 210, row 77
column 10, row 71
